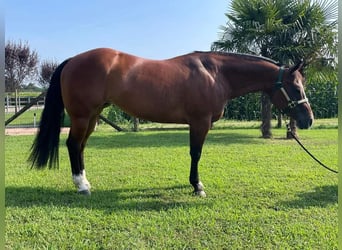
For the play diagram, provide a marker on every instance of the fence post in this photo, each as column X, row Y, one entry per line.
column 16, row 101
column 7, row 103
column 34, row 120
column 135, row 124
column 19, row 102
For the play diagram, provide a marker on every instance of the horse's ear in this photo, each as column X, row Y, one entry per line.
column 298, row 66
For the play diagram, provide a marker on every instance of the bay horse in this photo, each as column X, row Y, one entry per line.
column 190, row 89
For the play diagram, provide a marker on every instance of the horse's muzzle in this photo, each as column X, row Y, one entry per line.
column 304, row 123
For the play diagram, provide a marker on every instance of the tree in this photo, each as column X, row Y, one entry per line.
column 20, row 64
column 45, row 73
column 284, row 30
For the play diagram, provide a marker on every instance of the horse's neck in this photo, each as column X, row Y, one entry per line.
column 248, row 78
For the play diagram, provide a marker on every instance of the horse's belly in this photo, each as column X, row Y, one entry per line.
column 156, row 112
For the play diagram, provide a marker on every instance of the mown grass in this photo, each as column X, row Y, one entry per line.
column 261, row 194
column 27, row 118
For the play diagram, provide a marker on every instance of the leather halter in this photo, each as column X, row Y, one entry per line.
column 291, row 104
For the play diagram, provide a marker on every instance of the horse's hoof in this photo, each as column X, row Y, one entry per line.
column 84, row 192
column 200, row 193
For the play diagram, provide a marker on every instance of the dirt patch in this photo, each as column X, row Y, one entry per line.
column 27, row 131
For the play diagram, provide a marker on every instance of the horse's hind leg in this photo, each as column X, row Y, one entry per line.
column 78, row 135
column 91, row 127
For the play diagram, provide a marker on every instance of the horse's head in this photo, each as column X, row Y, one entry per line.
column 289, row 96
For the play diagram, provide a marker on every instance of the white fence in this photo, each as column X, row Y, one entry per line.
column 29, row 118
column 14, row 104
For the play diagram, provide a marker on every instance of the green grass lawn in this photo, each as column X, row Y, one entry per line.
column 261, row 194
column 27, row 118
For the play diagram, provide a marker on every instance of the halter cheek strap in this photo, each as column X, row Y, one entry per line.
column 279, row 85
column 292, row 104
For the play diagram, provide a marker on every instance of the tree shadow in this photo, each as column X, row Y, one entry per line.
column 109, row 201
column 319, row 197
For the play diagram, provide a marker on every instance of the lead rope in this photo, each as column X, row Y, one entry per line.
column 307, row 151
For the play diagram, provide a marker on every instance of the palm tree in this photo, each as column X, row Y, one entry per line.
column 284, row 30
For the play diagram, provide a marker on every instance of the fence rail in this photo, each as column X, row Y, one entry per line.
column 14, row 104
column 23, row 111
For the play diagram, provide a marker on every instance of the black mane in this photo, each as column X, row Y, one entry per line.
column 242, row 55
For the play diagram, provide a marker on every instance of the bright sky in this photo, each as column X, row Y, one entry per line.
column 154, row 29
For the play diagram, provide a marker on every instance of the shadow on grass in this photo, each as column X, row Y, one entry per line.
column 152, row 199
column 319, row 197
column 168, row 138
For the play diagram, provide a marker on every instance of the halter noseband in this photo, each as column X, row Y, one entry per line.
column 279, row 85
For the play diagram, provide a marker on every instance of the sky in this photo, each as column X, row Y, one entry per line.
column 155, row 29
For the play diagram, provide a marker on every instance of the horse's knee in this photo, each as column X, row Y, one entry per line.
column 195, row 153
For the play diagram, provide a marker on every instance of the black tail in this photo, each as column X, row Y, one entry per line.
column 44, row 149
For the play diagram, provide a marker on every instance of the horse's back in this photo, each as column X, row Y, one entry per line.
column 165, row 90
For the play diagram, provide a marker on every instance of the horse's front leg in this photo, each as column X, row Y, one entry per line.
column 198, row 132
column 195, row 154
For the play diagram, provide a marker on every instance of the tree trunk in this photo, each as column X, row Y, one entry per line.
column 266, row 116
column 293, row 128
column 280, row 117
column 135, row 124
